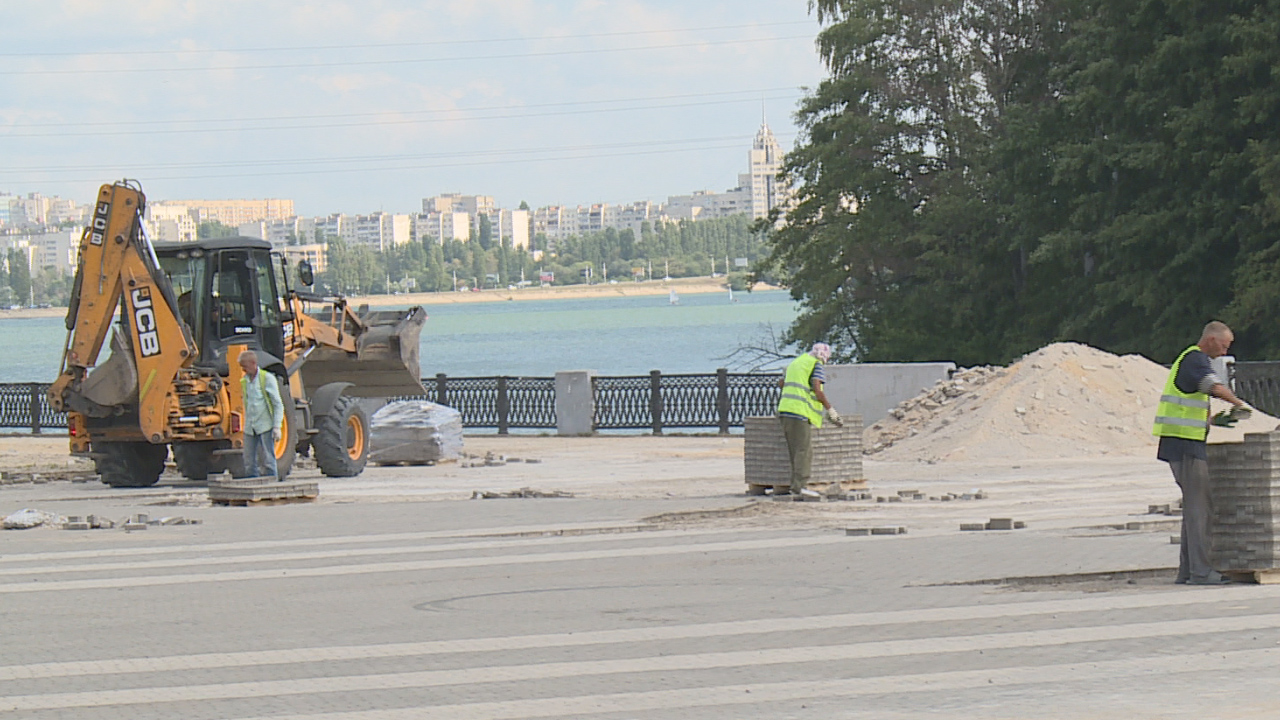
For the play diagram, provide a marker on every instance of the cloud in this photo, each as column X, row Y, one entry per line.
column 328, row 69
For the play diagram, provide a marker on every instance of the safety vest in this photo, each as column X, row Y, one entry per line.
column 1182, row 415
column 797, row 393
column 262, row 388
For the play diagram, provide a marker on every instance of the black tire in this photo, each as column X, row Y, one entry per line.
column 286, row 449
column 130, row 464
column 196, row 461
column 341, row 443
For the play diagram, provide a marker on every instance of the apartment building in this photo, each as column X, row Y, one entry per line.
column 235, row 213
column 512, row 226
column 703, row 205
column 170, row 223
column 556, row 222
column 436, row 227
column 314, row 253
column 382, row 231
column 57, row 250
column 337, row 225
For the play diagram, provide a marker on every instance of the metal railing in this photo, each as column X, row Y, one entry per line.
column 651, row 402
column 1258, row 383
column 497, row 402
column 26, row 406
column 656, row 401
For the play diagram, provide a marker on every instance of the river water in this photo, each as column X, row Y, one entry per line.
column 535, row 338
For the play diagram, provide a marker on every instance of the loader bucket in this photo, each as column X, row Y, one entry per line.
column 386, row 360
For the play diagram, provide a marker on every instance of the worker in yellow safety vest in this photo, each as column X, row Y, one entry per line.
column 800, row 410
column 1182, row 424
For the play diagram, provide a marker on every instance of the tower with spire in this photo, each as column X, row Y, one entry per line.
column 764, row 161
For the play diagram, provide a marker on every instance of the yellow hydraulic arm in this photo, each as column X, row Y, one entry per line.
column 118, row 269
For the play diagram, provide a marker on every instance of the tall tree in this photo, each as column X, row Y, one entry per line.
column 894, row 244
column 19, row 275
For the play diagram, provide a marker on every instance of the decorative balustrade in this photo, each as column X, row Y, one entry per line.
column 653, row 402
column 647, row 402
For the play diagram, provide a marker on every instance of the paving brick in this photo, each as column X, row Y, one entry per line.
column 837, row 452
column 1245, row 489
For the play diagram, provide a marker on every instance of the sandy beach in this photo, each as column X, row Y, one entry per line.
column 689, row 286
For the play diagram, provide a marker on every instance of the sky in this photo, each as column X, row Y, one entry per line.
column 360, row 106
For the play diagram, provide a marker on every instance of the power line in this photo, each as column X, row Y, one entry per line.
column 435, row 166
column 455, row 159
column 758, row 93
column 384, row 123
column 405, row 61
column 397, row 156
column 429, row 43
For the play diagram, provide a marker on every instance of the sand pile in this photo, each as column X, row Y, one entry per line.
column 1065, row 400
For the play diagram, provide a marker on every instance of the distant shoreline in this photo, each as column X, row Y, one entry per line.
column 689, row 286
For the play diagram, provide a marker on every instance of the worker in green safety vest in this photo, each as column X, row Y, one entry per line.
column 1182, row 424
column 800, row 410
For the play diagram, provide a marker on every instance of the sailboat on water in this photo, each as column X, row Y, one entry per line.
column 673, row 298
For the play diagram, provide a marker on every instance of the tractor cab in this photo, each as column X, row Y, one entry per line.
column 228, row 293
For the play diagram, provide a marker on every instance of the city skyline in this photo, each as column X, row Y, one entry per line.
column 358, row 109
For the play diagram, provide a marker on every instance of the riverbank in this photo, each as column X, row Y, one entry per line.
column 685, row 286
column 682, row 286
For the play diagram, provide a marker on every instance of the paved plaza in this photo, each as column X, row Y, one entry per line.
column 651, row 604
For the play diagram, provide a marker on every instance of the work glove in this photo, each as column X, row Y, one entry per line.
column 275, row 436
column 1223, row 419
column 834, row 417
column 1240, row 412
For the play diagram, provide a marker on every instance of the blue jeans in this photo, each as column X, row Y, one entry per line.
column 255, row 445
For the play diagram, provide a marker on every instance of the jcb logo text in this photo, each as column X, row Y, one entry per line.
column 144, row 319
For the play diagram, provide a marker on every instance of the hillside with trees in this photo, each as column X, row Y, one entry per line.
column 680, row 249
column 978, row 178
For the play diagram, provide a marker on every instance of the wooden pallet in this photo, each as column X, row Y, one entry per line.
column 247, row 492
column 821, row 487
column 1262, row 577
column 245, row 502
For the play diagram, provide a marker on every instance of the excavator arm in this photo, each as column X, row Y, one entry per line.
column 118, row 269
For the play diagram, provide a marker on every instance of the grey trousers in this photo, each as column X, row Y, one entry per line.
column 799, row 435
column 1192, row 476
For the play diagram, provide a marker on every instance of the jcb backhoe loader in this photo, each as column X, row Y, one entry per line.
column 185, row 313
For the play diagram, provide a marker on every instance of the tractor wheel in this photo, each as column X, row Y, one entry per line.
column 196, row 461
column 130, row 464
column 341, row 444
column 286, row 446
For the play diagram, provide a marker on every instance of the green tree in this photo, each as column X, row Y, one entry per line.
column 19, row 275
column 978, row 178
column 1172, row 173
column 485, row 236
column 214, row 229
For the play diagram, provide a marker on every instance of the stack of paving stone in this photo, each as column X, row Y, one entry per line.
column 1245, row 487
column 837, row 455
column 226, row 490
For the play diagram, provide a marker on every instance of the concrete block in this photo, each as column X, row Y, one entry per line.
column 1000, row 524
column 886, row 530
column 575, row 403
column 78, row 525
column 857, row 532
column 973, row 526
column 873, row 389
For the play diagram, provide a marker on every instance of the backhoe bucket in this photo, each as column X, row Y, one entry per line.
column 386, row 359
